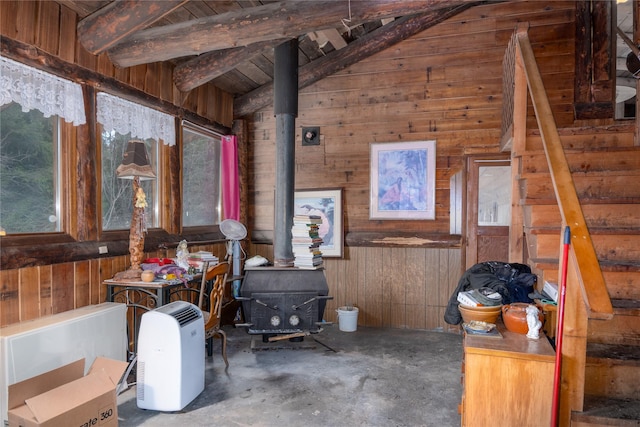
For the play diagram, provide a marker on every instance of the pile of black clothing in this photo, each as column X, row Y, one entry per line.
column 513, row 281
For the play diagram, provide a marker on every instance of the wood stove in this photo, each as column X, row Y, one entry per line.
column 283, row 300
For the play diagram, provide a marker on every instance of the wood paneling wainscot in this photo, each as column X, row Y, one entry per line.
column 32, row 292
column 392, row 287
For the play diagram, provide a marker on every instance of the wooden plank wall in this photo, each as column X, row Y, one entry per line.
column 32, row 292
column 444, row 84
column 439, row 85
column 28, row 293
column 52, row 28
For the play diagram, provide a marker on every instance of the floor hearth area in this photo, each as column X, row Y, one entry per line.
column 370, row 377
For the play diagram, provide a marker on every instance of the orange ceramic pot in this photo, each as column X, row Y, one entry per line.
column 514, row 317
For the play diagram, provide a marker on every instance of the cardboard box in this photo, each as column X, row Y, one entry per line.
column 66, row 397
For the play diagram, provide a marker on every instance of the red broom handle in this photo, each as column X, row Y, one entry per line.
column 563, row 290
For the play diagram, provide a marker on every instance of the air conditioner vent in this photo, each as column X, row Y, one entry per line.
column 186, row 315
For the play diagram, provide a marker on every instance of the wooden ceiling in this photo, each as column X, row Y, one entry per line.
column 230, row 43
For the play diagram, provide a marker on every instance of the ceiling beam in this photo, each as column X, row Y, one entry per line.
column 286, row 19
column 119, row 19
column 208, row 66
column 82, row 9
column 357, row 50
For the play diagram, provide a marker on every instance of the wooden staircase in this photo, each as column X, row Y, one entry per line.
column 607, row 181
column 586, row 179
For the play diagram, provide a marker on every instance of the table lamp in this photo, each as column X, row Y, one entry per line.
column 135, row 166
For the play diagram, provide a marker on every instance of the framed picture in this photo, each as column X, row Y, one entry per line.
column 327, row 203
column 403, row 180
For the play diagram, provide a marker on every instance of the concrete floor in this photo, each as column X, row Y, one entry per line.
column 370, row 377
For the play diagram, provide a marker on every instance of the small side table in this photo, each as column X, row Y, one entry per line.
column 142, row 296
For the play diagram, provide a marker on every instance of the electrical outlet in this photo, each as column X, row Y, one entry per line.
column 102, row 249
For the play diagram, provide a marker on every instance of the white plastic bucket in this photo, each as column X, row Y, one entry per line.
column 348, row 319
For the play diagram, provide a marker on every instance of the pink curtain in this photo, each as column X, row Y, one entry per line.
column 230, row 181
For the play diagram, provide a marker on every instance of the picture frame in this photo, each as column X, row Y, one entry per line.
column 326, row 202
column 403, row 180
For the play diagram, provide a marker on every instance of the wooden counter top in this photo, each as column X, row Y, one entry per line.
column 511, row 345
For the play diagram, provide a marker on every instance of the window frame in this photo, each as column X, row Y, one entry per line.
column 65, row 193
column 158, row 194
column 80, row 237
column 186, row 125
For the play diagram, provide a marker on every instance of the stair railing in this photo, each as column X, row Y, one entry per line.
column 593, row 287
column 588, row 297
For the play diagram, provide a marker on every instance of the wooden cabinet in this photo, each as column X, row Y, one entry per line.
column 507, row 381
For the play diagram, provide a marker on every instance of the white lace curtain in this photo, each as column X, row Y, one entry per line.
column 124, row 116
column 36, row 89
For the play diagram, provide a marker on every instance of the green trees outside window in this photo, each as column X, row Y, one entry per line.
column 117, row 194
column 29, row 171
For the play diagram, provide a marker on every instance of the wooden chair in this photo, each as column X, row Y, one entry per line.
column 218, row 275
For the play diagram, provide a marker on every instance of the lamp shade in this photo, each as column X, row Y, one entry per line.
column 135, row 162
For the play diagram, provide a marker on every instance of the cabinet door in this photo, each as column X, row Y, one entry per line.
column 509, row 391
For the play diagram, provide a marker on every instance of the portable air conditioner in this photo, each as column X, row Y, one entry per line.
column 170, row 370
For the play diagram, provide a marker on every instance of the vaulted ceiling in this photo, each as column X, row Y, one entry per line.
column 230, row 43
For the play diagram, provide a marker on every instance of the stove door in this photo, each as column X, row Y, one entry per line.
column 283, row 312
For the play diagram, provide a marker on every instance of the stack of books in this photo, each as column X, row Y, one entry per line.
column 306, row 241
column 197, row 260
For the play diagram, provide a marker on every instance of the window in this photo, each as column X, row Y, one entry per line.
column 29, row 171
column 494, row 198
column 32, row 104
column 117, row 194
column 121, row 121
column 200, row 177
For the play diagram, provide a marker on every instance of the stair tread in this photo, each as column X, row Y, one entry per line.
column 617, row 266
column 592, row 230
column 602, row 407
column 622, row 352
column 625, row 303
